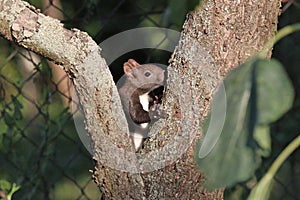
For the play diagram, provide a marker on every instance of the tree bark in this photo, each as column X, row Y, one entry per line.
column 217, row 37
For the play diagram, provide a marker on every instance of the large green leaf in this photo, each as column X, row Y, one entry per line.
column 275, row 92
column 258, row 93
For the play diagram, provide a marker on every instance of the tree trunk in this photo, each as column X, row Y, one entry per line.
column 217, row 37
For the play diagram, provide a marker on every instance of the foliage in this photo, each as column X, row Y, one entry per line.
column 263, row 188
column 39, row 147
column 253, row 102
column 8, row 189
column 258, row 93
column 57, row 145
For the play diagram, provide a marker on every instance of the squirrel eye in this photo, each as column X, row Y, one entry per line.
column 147, row 74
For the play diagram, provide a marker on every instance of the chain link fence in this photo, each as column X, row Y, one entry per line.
column 40, row 150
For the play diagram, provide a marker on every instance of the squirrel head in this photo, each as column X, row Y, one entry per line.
column 147, row 76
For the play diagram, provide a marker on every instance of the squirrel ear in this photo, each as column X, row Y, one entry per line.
column 129, row 65
column 133, row 63
column 127, row 68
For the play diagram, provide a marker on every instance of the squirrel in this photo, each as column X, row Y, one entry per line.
column 141, row 94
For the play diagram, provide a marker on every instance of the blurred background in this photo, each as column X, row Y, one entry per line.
column 40, row 150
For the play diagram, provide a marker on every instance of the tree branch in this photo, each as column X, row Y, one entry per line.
column 80, row 57
column 215, row 38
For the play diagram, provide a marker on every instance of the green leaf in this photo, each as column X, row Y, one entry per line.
column 8, row 188
column 5, row 185
column 274, row 90
column 14, row 189
column 263, row 138
column 253, row 101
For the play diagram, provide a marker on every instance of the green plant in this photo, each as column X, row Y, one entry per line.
column 7, row 189
column 258, row 93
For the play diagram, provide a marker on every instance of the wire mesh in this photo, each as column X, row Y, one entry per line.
column 39, row 147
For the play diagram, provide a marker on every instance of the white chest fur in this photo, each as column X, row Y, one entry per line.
column 139, row 137
column 144, row 100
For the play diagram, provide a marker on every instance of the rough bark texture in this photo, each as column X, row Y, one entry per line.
column 231, row 32
column 215, row 38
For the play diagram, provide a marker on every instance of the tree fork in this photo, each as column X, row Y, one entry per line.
column 231, row 31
